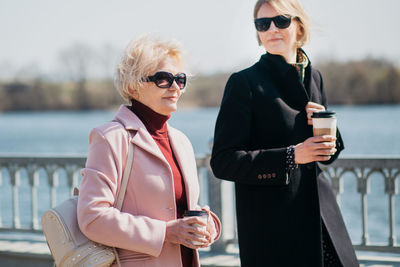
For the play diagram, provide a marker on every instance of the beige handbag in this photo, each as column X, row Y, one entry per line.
column 68, row 245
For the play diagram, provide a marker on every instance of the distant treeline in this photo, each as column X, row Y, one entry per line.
column 368, row 81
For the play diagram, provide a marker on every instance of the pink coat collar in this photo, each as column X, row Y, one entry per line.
column 143, row 139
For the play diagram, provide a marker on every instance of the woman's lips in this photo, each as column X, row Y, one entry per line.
column 274, row 39
column 172, row 98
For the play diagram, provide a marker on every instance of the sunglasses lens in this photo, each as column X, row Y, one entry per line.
column 163, row 79
column 262, row 24
column 181, row 80
column 282, row 22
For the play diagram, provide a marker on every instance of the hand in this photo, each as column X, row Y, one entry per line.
column 311, row 107
column 211, row 229
column 182, row 232
column 318, row 148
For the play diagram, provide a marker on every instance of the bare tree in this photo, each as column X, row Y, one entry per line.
column 108, row 56
column 76, row 62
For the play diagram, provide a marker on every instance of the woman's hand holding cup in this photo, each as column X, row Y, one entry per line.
column 211, row 229
column 189, row 231
column 317, row 148
column 323, row 145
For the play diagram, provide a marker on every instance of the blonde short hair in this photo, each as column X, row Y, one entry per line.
column 142, row 57
column 289, row 7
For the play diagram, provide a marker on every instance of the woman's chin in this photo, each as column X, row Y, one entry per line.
column 167, row 110
column 275, row 51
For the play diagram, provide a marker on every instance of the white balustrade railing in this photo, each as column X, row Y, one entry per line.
column 48, row 180
column 362, row 169
column 27, row 169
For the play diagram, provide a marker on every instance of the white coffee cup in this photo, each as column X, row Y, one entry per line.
column 324, row 123
column 203, row 215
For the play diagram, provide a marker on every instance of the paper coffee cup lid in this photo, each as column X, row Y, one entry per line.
column 324, row 114
column 189, row 213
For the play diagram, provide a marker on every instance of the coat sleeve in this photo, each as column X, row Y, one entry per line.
column 231, row 157
column 97, row 217
column 339, row 140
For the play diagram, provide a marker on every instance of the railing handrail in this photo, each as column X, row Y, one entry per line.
column 362, row 166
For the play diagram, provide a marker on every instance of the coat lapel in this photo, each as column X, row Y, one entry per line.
column 287, row 79
column 142, row 138
column 295, row 91
column 181, row 156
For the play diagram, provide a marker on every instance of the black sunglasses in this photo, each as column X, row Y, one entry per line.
column 164, row 79
column 281, row 22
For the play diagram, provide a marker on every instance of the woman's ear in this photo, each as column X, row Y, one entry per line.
column 300, row 31
column 134, row 93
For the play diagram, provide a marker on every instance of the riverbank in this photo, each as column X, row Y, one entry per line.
column 364, row 82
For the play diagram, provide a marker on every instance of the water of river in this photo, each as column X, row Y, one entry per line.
column 367, row 130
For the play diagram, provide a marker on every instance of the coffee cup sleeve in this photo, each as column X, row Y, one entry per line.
column 339, row 148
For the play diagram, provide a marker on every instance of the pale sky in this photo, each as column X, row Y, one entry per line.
column 218, row 34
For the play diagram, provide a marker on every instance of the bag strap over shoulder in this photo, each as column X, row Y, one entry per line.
column 126, row 173
column 124, row 183
column 122, row 190
column 125, row 177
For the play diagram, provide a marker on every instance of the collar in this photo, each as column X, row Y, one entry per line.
column 142, row 137
column 129, row 119
column 301, row 63
column 278, row 62
column 275, row 62
column 155, row 123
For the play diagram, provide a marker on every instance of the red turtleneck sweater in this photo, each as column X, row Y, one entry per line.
column 156, row 124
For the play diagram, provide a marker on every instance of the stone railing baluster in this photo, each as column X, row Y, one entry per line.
column 15, row 182
column 391, row 190
column 214, row 194
column 34, row 183
column 72, row 177
column 52, row 176
column 201, row 184
column 219, row 195
column 337, row 182
column 363, row 189
column 200, row 162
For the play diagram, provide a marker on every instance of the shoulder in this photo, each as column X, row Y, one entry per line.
column 111, row 132
column 243, row 77
column 111, row 129
column 316, row 75
column 247, row 73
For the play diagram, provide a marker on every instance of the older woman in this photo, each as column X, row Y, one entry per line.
column 150, row 229
column 287, row 214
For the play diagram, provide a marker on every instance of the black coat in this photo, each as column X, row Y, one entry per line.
column 278, row 214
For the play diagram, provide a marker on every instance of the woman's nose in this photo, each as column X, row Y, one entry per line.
column 174, row 86
column 272, row 27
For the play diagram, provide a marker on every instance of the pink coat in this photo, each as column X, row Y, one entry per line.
column 139, row 228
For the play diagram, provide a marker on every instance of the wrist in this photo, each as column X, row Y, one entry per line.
column 295, row 155
column 290, row 158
